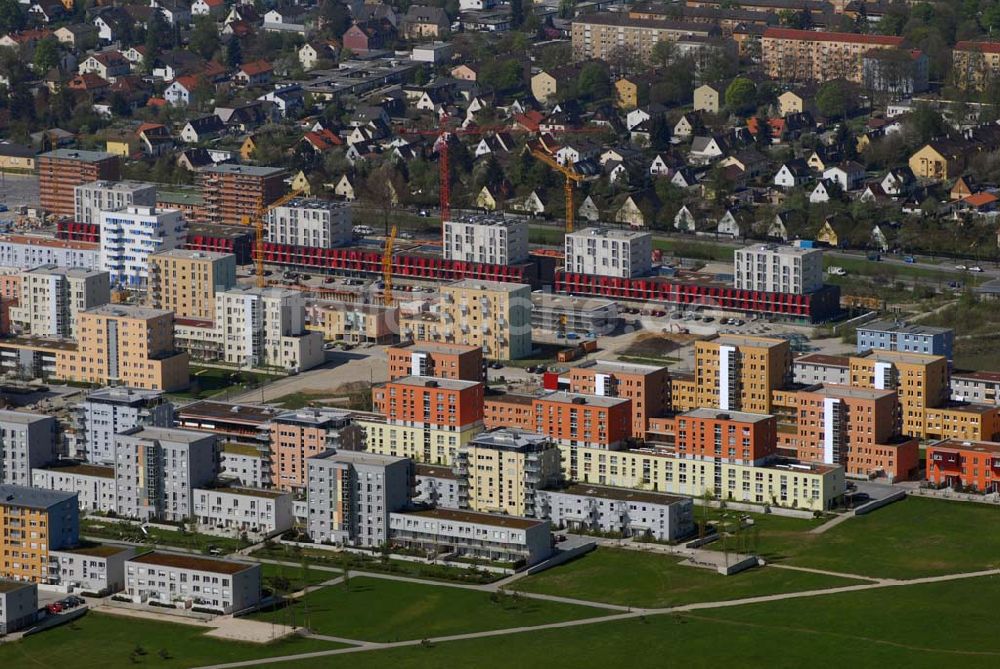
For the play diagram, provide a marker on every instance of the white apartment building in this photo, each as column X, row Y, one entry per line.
column 130, row 236
column 247, row 465
column 321, row 224
column 18, row 605
column 631, row 513
column 27, row 440
column 487, row 238
column 108, row 411
column 778, row 269
column 250, row 510
column 350, row 495
column 190, row 581
column 91, row 568
column 52, row 296
column 94, row 485
column 92, row 198
column 606, row 252
column 157, row 470
column 265, row 327
column 33, row 250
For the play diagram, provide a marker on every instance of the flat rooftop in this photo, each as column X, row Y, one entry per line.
column 850, row 392
column 514, row 522
column 84, row 469
column 232, row 232
column 719, row 414
column 959, row 445
column 239, row 413
column 435, row 347
column 358, row 458
column 824, row 360
column 993, row 377
column 748, row 341
column 615, row 367
column 965, row 407
column 513, row 398
column 51, row 242
column 244, row 170
column 11, row 586
column 70, row 272
column 431, row 381
column 123, row 395
column 21, row 417
column 242, row 449
column 434, row 471
column 249, row 492
column 313, row 417
column 94, row 549
column 900, row 357
column 609, row 233
column 511, row 439
column 489, row 220
column 77, row 154
column 903, row 328
column 171, row 434
column 623, row 494
column 564, row 397
column 780, row 249
column 127, row 311
column 483, row 284
column 188, row 254
column 543, row 300
column 194, row 563
column 32, row 498
column 316, row 203
column 125, row 186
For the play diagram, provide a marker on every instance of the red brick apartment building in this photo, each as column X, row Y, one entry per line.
column 232, row 192
column 62, row 170
column 439, row 359
column 427, row 401
column 568, row 418
column 966, row 463
column 647, row 386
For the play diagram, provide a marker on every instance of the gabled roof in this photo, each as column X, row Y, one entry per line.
column 209, row 124
column 323, row 140
column 423, row 14
column 256, row 67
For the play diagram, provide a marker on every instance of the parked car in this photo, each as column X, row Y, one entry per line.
column 975, row 268
column 54, row 607
column 961, row 267
column 909, row 259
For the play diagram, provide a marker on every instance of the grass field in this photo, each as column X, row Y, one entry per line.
column 295, row 578
column 637, row 579
column 376, row 609
column 919, row 627
column 209, row 382
column 100, row 641
column 911, row 538
column 114, row 530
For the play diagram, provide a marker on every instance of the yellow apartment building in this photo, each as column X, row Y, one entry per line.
column 185, row 281
column 920, row 382
column 739, row 373
column 34, row 521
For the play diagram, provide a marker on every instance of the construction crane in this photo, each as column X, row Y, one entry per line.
column 390, row 241
column 572, row 178
column 259, row 230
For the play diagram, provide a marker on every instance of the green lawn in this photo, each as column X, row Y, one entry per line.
column 114, row 530
column 911, row 538
column 374, row 609
column 284, row 579
column 637, row 579
column 218, row 382
column 100, row 641
column 918, row 627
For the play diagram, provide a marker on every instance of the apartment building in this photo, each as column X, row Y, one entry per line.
column 157, row 470
column 807, row 55
column 975, row 63
column 189, row 581
column 296, row 436
column 962, row 421
column 603, row 34
column 436, row 486
column 18, row 606
column 814, row 368
column 93, row 485
column 27, row 440
column 425, row 419
column 567, row 314
column 34, row 522
column 778, row 269
column 920, row 382
column 647, row 386
column 353, row 322
column 905, row 338
column 976, row 387
column 962, row 463
column 252, row 511
column 129, row 236
column 629, row 513
column 126, row 345
column 734, row 373
column 609, row 252
column 62, row 170
column 350, row 495
column 90, row 199
column 236, row 194
column 248, row 466
column 520, row 541
column 186, row 282
column 733, row 436
column 856, row 428
column 107, row 411
column 52, row 296
column 566, row 418
column 437, row 359
column 502, row 470
column 265, row 327
column 493, row 315
column 35, row 250
column 244, row 424
column 486, row 238
column 94, row 569
column 319, row 224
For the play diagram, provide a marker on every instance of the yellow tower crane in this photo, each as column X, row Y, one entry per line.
column 572, row 178
column 390, row 241
column 259, row 230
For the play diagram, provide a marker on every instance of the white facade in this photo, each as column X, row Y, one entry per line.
column 486, row 239
column 97, row 569
column 778, row 269
column 187, row 580
column 604, row 252
column 30, row 251
column 255, row 511
column 94, row 485
column 110, row 411
column 27, row 441
column 130, row 236
column 265, row 327
column 18, row 606
column 51, row 298
column 92, row 198
column 310, row 222
column 620, row 510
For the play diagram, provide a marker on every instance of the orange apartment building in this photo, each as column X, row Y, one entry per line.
column 920, row 381
column 62, row 170
column 857, row 428
column 438, row 359
column 34, row 521
column 569, row 419
column 234, row 194
column 299, row 435
column 647, row 386
column 954, row 463
column 120, row 344
column 733, row 436
column 806, row 55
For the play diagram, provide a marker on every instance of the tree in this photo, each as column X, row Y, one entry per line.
column 926, row 123
column 567, row 8
column 46, row 55
column 119, row 105
column 234, row 52
column 659, row 133
column 11, row 16
column 664, row 52
column 741, row 95
column 516, row 13
column 205, row 37
column 593, row 82
column 334, row 17
column 832, row 100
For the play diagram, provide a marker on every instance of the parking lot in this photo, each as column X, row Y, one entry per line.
column 17, row 190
